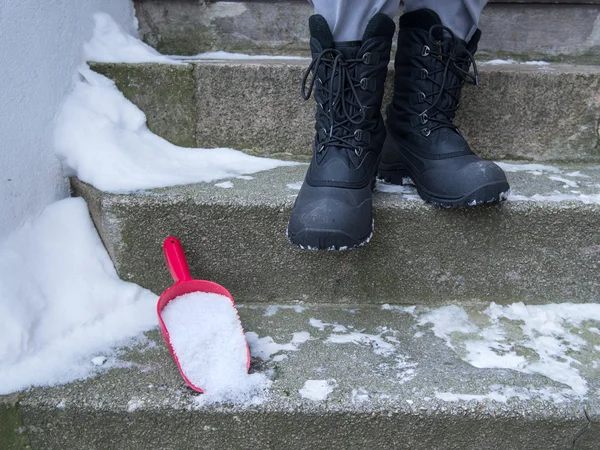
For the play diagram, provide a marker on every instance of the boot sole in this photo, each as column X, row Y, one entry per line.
column 332, row 240
column 487, row 194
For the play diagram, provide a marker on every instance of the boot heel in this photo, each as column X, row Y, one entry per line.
column 396, row 176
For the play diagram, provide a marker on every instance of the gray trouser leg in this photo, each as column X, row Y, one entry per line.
column 348, row 19
column 461, row 16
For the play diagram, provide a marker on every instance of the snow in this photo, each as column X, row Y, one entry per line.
column 265, row 347
column 408, row 192
column 530, row 168
column 567, row 183
column 497, row 62
column 227, row 56
column 99, row 360
column 61, row 301
column 272, row 309
column 317, row 390
column 294, row 186
column 208, row 339
column 376, row 341
column 102, row 138
column 224, row 185
column 110, row 43
column 320, row 325
column 515, row 332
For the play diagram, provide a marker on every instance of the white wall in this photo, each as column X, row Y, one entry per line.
column 40, row 48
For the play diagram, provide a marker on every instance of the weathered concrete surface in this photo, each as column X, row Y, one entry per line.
column 12, row 432
column 518, row 112
column 389, row 400
column 549, row 32
column 183, row 27
column 535, row 251
column 165, row 92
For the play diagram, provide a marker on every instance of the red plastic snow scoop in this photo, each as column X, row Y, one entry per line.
column 185, row 284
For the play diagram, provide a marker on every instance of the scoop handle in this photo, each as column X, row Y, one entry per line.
column 176, row 261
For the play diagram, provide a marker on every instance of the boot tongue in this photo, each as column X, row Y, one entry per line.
column 349, row 48
column 422, row 18
column 319, row 29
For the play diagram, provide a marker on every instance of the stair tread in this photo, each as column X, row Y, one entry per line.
column 389, row 384
column 571, row 183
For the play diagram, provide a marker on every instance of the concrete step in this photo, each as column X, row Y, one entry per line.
column 553, row 32
column 533, row 248
column 394, row 384
column 519, row 111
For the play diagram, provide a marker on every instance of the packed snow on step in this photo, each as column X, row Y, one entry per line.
column 208, row 339
column 102, row 138
column 227, row 56
column 110, row 43
column 560, row 335
column 62, row 306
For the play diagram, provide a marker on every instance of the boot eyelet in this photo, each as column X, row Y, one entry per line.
column 424, row 118
column 425, row 51
column 358, row 151
column 366, row 59
column 358, row 135
column 422, row 97
column 425, row 132
column 424, row 74
column 364, row 84
column 321, row 148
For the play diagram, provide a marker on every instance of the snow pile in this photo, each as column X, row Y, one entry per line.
column 552, row 333
column 208, row 339
column 110, row 43
column 317, row 390
column 62, row 305
column 102, row 138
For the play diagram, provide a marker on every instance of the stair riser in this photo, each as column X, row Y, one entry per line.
column 550, row 32
column 530, row 251
column 518, row 112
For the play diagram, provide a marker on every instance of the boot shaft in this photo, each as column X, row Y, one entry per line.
column 431, row 66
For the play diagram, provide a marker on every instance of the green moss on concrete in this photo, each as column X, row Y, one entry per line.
column 12, row 431
column 166, row 94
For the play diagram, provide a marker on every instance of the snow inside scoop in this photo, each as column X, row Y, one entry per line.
column 198, row 320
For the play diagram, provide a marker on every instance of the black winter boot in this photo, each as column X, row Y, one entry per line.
column 333, row 209
column 422, row 142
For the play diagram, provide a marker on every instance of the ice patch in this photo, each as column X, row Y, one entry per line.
column 534, row 339
column 61, row 301
column 272, row 309
column 265, row 347
column 577, row 174
column 376, row 341
column 224, row 185
column 102, row 138
column 320, row 325
column 245, row 177
column 317, row 390
column 110, row 43
column 567, row 183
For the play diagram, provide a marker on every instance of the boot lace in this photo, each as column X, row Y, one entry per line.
column 455, row 67
column 342, row 106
